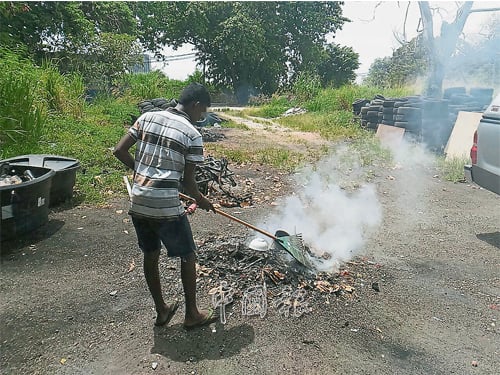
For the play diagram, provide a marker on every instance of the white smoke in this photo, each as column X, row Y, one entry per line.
column 331, row 209
column 335, row 210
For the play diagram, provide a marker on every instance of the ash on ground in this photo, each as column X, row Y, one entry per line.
column 290, row 288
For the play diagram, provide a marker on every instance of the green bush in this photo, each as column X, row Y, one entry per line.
column 23, row 109
column 151, row 85
column 306, row 86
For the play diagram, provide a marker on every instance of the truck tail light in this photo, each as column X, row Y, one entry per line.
column 473, row 150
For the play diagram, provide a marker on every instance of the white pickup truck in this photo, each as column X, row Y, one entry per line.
column 485, row 151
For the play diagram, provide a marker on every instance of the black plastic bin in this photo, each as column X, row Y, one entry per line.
column 25, row 206
column 65, row 173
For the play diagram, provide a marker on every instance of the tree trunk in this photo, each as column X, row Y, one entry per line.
column 440, row 48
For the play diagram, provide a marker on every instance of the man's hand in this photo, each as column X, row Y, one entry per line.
column 205, row 204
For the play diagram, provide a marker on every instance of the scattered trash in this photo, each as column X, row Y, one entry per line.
column 9, row 175
column 259, row 244
column 474, row 363
column 375, row 287
column 113, row 293
column 154, row 365
column 62, row 361
column 294, row 111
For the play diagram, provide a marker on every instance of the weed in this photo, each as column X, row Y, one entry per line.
column 452, row 169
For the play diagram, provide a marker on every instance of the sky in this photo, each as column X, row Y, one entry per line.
column 372, row 31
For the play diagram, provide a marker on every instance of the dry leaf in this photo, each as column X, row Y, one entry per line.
column 131, row 266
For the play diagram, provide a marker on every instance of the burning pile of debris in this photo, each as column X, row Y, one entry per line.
column 255, row 281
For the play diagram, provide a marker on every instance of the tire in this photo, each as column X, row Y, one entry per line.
column 158, row 102
column 145, row 103
column 414, row 126
column 450, row 91
column 409, row 111
column 147, row 108
column 389, row 103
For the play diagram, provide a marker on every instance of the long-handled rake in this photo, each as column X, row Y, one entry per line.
column 293, row 244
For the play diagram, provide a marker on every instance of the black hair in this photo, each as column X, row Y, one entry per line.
column 195, row 92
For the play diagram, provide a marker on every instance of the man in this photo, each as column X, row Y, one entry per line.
column 168, row 148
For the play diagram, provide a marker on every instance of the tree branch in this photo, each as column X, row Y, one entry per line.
column 484, row 10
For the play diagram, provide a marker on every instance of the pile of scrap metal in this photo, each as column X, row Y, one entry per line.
column 213, row 177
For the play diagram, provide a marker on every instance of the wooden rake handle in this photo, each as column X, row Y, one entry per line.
column 262, row 231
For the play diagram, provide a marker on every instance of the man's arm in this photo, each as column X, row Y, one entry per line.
column 122, row 153
column 189, row 183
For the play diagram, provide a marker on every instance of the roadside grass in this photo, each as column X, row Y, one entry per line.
column 234, row 125
column 46, row 113
column 329, row 113
column 452, row 169
column 330, row 125
column 280, row 158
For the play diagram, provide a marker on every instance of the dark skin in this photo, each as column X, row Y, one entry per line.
column 193, row 315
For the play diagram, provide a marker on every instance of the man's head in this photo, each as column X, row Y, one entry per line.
column 194, row 100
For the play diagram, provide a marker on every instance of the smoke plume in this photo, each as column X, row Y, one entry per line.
column 332, row 209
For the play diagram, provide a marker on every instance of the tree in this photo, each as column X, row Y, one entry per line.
column 407, row 63
column 440, row 48
column 244, row 45
column 94, row 37
column 337, row 65
column 48, row 26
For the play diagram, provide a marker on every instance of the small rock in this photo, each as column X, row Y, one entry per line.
column 154, row 365
column 474, row 363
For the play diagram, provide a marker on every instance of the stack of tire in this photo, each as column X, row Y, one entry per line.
column 372, row 112
column 157, row 104
column 436, row 124
column 408, row 115
column 476, row 101
column 424, row 119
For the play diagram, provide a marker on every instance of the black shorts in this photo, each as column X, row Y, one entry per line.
column 175, row 234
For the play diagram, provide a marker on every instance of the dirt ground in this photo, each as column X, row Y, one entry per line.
column 424, row 293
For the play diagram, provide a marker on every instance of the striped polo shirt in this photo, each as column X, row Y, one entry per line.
column 165, row 141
